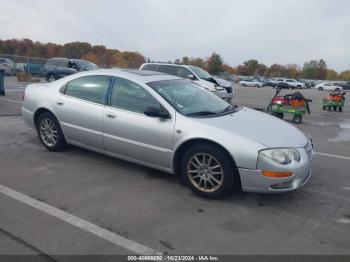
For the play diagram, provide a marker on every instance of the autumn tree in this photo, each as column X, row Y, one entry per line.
column 243, row 70
column 292, row 71
column 92, row 58
column 331, row 74
column 229, row 69
column 276, row 70
column 345, row 75
column 75, row 49
column 252, row 66
column 215, row 64
column 315, row 70
column 133, row 59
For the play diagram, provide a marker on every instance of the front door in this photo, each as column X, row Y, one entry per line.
column 129, row 133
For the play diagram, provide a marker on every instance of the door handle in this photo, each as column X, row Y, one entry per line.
column 60, row 103
column 110, row 115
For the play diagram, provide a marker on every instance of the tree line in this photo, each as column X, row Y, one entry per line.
column 214, row 64
column 97, row 54
column 313, row 69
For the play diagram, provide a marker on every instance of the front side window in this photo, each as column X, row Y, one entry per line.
column 200, row 72
column 129, row 96
column 90, row 88
column 183, row 72
column 191, row 100
column 85, row 65
column 168, row 69
column 62, row 63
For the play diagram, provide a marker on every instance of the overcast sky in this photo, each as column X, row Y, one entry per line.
column 272, row 31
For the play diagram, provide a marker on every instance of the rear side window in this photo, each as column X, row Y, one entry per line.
column 89, row 88
column 150, row 67
column 167, row 69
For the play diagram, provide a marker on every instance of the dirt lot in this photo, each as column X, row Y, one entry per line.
column 153, row 210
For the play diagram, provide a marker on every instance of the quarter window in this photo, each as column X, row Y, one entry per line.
column 129, row 96
column 89, row 88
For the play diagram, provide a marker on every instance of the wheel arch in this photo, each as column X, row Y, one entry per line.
column 191, row 142
column 40, row 111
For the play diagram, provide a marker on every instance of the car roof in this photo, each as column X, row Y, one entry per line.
column 168, row 64
column 143, row 76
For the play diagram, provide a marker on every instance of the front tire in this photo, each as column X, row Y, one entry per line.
column 51, row 78
column 50, row 133
column 208, row 171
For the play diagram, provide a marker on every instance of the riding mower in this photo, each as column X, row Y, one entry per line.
column 335, row 101
column 292, row 104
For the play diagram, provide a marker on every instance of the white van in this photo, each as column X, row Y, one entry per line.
column 220, row 87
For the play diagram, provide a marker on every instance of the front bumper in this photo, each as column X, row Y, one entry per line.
column 254, row 181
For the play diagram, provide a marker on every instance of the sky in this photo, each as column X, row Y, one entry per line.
column 271, row 31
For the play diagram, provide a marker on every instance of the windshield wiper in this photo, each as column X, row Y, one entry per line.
column 202, row 113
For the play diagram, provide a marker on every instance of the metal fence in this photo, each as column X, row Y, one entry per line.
column 14, row 64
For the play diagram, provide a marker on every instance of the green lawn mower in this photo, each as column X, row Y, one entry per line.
column 334, row 101
column 292, row 104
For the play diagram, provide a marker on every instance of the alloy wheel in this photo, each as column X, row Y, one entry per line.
column 48, row 132
column 205, row 172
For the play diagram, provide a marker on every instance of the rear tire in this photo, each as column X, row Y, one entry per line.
column 209, row 171
column 50, row 133
column 320, row 88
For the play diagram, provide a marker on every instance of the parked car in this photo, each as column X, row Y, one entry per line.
column 8, row 65
column 220, row 87
column 56, row 68
column 270, row 82
column 328, row 87
column 251, row 82
column 344, row 85
column 171, row 124
column 290, row 83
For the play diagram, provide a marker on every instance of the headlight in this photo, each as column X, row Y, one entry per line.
column 283, row 156
column 218, row 88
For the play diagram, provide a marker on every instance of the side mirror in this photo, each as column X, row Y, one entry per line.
column 191, row 77
column 156, row 112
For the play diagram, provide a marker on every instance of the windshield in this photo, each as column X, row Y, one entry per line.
column 200, row 72
column 86, row 65
column 190, row 99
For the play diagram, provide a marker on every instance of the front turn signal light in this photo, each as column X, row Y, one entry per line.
column 272, row 174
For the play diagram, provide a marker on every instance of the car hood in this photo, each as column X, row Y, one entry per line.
column 263, row 128
column 222, row 82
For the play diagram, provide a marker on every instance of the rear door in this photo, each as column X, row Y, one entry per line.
column 80, row 108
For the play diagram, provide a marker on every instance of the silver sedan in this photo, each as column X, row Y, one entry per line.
column 170, row 124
